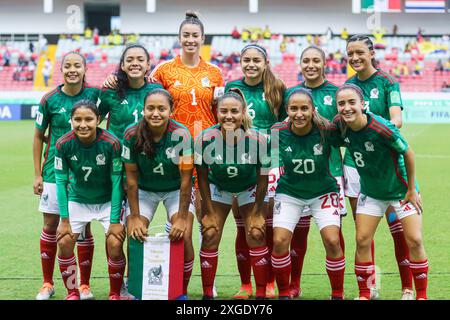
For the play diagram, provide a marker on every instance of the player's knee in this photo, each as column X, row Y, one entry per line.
column 415, row 242
column 332, row 244
column 114, row 246
column 363, row 241
column 210, row 237
column 65, row 243
column 51, row 223
column 280, row 243
column 256, row 236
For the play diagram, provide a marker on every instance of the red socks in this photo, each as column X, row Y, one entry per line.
column 68, row 268
column 335, row 269
column 116, row 270
column 282, row 269
column 242, row 253
column 299, row 244
column 260, row 263
column 269, row 241
column 85, row 252
column 208, row 265
column 365, row 275
column 187, row 274
column 419, row 270
column 48, row 248
column 401, row 254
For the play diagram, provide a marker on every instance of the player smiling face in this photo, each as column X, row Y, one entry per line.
column 84, row 123
column 300, row 111
column 73, row 68
column 191, row 38
column 350, row 105
column 230, row 114
column 359, row 55
column 135, row 63
column 157, row 110
column 312, row 64
column 253, row 64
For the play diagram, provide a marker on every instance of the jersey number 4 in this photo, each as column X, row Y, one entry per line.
column 159, row 169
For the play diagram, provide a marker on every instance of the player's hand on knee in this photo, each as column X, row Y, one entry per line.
column 110, row 82
column 64, row 229
column 414, row 198
column 209, row 222
column 257, row 228
column 136, row 228
column 38, row 185
column 178, row 228
column 117, row 231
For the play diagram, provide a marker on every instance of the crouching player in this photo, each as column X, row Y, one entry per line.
column 386, row 167
column 158, row 156
column 304, row 150
column 91, row 156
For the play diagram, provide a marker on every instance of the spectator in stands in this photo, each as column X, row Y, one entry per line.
column 46, row 71
column 420, row 32
column 245, row 36
column 418, row 67
column 235, row 33
column 439, row 66
column 31, row 47
column 42, row 43
column 96, row 38
column 283, row 46
column 344, row 34
column 22, row 61
column 266, row 33
column 394, row 30
column 6, row 58
column 16, row 73
column 88, row 33
column 255, row 35
column 31, row 68
column 344, row 65
column 447, row 65
column 445, row 86
column 317, row 40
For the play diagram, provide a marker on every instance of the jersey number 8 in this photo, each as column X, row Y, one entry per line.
column 358, row 159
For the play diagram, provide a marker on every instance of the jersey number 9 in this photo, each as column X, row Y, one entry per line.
column 232, row 172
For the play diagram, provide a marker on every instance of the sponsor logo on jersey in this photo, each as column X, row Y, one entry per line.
column 347, row 140
column 62, row 110
column 74, row 158
column 177, row 83
column 336, row 213
column 374, row 93
column 58, row 163
column 288, row 149
column 318, row 149
column 126, row 152
column 124, row 101
column 205, row 82
column 327, row 100
column 170, row 153
column 369, row 146
column 101, row 160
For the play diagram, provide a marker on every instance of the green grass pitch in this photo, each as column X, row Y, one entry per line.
column 20, row 270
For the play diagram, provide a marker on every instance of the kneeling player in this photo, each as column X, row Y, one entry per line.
column 158, row 157
column 91, row 156
column 304, row 152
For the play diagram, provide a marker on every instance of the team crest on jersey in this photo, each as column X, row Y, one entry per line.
column 318, row 149
column 170, row 153
column 177, row 83
column 246, row 158
column 277, row 208
column 362, row 200
column 374, row 93
column 369, row 146
column 327, row 100
column 205, row 82
column 101, row 160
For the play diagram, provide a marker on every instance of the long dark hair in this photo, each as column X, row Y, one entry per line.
column 366, row 40
column 144, row 134
column 122, row 77
column 83, row 81
column 318, row 121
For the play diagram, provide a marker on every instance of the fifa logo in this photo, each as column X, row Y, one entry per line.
column 155, row 276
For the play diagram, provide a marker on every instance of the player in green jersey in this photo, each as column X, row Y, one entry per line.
column 54, row 115
column 385, row 163
column 312, row 64
column 88, row 171
column 263, row 92
column 303, row 152
column 382, row 97
column 124, row 104
column 158, row 156
column 231, row 159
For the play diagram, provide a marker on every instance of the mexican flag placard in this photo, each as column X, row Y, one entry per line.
column 156, row 268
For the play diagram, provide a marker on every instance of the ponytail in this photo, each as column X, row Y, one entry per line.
column 144, row 141
column 274, row 90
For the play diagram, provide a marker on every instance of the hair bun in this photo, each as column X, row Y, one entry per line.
column 191, row 14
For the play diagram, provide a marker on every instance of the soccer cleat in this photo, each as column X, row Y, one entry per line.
column 284, row 298
column 207, row 298
column 72, row 296
column 374, row 294
column 337, row 298
column 407, row 294
column 214, row 290
column 124, row 294
column 46, row 292
column 270, row 290
column 114, row 297
column 295, row 292
column 85, row 292
column 244, row 293
column 360, row 298
column 183, row 297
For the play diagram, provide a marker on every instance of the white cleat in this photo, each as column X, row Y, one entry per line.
column 124, row 294
column 214, row 291
column 85, row 292
column 46, row 292
column 407, row 294
column 374, row 294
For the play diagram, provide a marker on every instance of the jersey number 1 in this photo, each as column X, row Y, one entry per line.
column 194, row 100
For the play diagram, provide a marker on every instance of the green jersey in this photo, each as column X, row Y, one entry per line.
column 54, row 113
column 257, row 106
column 381, row 92
column 304, row 161
column 126, row 111
column 377, row 151
column 324, row 97
column 95, row 172
column 160, row 173
column 232, row 167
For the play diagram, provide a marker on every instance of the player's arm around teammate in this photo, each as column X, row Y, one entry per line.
column 386, row 166
column 230, row 160
column 304, row 147
column 92, row 157
column 158, row 156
